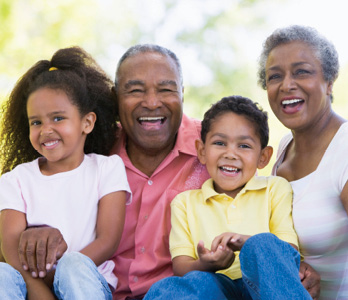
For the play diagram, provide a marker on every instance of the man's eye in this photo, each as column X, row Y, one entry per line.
column 135, row 91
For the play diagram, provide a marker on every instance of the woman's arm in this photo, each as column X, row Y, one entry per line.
column 110, row 222
column 12, row 224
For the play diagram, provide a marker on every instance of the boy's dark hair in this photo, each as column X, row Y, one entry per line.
column 76, row 73
column 240, row 106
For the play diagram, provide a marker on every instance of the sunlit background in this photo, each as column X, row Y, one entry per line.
column 217, row 41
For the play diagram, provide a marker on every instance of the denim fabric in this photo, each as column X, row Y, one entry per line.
column 270, row 269
column 12, row 284
column 77, row 278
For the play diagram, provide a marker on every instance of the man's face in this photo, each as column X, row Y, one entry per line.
column 150, row 96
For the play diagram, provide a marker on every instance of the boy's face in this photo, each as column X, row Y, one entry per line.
column 232, row 152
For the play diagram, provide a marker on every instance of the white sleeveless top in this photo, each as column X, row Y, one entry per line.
column 320, row 219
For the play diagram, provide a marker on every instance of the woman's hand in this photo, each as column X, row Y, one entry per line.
column 310, row 280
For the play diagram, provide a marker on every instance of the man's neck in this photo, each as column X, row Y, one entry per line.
column 147, row 161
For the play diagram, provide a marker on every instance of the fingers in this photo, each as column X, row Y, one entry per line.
column 56, row 246
column 39, row 249
column 310, row 280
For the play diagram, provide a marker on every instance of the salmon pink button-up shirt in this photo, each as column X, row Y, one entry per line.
column 143, row 256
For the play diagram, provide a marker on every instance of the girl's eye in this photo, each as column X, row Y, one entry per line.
column 35, row 123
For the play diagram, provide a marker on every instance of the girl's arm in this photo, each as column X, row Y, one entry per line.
column 12, row 224
column 110, row 222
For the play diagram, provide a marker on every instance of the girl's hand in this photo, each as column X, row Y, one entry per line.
column 213, row 261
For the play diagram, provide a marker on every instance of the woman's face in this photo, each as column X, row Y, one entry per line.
column 297, row 92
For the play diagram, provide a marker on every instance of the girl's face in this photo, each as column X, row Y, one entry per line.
column 57, row 130
column 297, row 92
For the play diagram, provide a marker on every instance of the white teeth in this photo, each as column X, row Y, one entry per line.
column 230, row 169
column 151, row 118
column 48, row 144
column 286, row 102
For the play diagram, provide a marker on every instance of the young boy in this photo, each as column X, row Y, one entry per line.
column 238, row 225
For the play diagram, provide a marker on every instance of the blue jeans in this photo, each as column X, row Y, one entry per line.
column 270, row 271
column 76, row 278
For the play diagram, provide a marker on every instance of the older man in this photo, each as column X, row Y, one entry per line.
column 157, row 147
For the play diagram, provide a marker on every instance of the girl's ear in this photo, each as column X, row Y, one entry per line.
column 265, row 157
column 200, row 151
column 88, row 122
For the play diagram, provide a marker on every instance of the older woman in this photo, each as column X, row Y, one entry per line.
column 298, row 67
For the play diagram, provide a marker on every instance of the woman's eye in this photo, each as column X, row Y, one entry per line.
column 273, row 76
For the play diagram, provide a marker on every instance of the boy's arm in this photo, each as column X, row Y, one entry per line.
column 208, row 261
column 12, row 224
column 110, row 222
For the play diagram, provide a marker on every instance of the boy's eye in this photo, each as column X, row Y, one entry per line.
column 219, row 143
column 57, row 119
column 244, row 146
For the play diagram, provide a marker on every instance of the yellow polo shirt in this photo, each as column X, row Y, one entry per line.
column 263, row 205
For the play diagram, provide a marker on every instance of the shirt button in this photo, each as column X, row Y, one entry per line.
column 146, row 217
column 150, row 182
column 233, row 206
column 142, row 249
column 135, row 279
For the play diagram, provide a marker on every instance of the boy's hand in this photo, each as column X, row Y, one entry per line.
column 213, row 261
column 232, row 240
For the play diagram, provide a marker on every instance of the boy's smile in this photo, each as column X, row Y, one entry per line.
column 232, row 152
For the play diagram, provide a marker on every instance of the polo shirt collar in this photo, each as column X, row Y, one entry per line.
column 255, row 183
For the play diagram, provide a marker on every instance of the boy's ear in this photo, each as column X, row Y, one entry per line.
column 265, row 157
column 200, row 151
column 88, row 122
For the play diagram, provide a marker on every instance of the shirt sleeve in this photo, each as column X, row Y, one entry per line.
column 10, row 193
column 180, row 241
column 281, row 223
column 113, row 177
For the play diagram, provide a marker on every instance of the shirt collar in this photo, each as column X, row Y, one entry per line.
column 255, row 183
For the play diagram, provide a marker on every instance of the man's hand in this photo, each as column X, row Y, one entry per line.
column 40, row 248
column 310, row 280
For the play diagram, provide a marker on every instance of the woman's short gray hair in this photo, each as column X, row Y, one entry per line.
column 322, row 47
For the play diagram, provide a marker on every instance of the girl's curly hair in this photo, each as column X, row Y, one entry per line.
column 76, row 73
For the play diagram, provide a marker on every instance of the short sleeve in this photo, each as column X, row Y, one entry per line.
column 113, row 177
column 10, row 193
column 281, row 223
column 180, row 240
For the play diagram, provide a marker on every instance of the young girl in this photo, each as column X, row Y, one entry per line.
column 66, row 108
